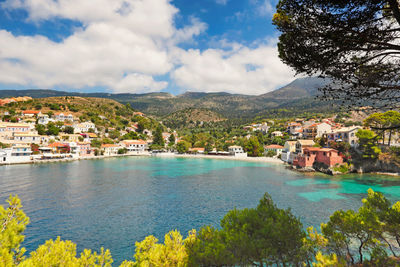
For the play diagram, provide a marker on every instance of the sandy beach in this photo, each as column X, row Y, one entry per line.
column 251, row 159
column 255, row 159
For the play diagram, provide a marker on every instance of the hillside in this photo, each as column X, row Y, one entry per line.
column 191, row 117
column 103, row 112
column 296, row 97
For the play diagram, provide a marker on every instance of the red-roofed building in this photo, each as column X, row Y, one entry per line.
column 329, row 157
column 31, row 113
column 134, row 146
column 59, row 147
column 110, row 149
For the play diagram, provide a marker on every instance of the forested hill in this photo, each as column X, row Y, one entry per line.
column 298, row 96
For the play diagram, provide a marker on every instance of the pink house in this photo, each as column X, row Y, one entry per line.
column 327, row 156
column 84, row 148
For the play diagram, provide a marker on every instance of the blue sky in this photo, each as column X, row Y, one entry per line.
column 140, row 46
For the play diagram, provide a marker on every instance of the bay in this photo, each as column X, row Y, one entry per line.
column 117, row 201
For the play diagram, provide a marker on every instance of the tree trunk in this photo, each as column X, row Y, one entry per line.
column 360, row 252
column 390, row 137
column 394, row 6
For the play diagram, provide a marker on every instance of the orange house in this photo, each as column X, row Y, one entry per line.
column 327, row 156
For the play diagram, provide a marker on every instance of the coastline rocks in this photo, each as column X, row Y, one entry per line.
column 376, row 166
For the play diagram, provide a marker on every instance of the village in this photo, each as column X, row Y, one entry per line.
column 32, row 136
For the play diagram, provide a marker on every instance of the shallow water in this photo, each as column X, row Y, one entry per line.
column 118, row 201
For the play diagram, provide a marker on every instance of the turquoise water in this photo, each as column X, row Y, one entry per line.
column 116, row 202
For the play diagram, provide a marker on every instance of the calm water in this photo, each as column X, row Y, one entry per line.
column 115, row 202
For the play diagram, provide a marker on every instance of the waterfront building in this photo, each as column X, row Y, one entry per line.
column 289, row 151
column 110, row 149
column 301, row 144
column 16, row 154
column 327, row 156
column 276, row 148
column 237, row 151
column 134, row 146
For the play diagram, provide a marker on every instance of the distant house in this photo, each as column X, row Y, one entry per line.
column 110, row 149
column 44, row 119
column 294, row 128
column 289, row 151
column 60, row 148
column 301, row 144
column 70, row 137
column 31, row 113
column 84, row 149
column 276, row 134
column 316, row 130
column 84, row 127
column 30, row 138
column 327, row 156
column 15, row 127
column 276, row 148
column 16, row 154
column 89, row 136
column 345, row 134
column 134, row 146
column 237, row 151
column 63, row 117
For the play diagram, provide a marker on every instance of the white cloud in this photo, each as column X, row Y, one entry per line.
column 246, row 71
column 264, row 7
column 221, row 2
column 124, row 44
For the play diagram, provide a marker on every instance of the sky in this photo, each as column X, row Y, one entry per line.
column 141, row 46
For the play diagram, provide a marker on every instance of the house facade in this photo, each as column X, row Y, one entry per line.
column 345, row 134
column 275, row 148
column 327, row 156
column 289, row 151
column 16, row 154
column 134, row 146
column 301, row 144
column 237, row 151
column 110, row 149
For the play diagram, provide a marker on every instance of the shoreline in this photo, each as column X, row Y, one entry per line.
column 196, row 156
column 248, row 159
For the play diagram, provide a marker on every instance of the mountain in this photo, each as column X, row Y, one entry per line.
column 297, row 97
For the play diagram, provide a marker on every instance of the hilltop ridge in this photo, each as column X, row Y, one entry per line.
column 299, row 95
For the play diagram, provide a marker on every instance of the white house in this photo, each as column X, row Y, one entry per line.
column 31, row 138
column 15, row 127
column 44, row 119
column 345, row 134
column 84, row 127
column 110, row 149
column 237, row 151
column 316, row 130
column 16, row 154
column 63, row 117
column 134, row 146
column 275, row 148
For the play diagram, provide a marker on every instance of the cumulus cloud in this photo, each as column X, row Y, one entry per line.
column 264, row 7
column 124, row 44
column 221, row 2
column 246, row 71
